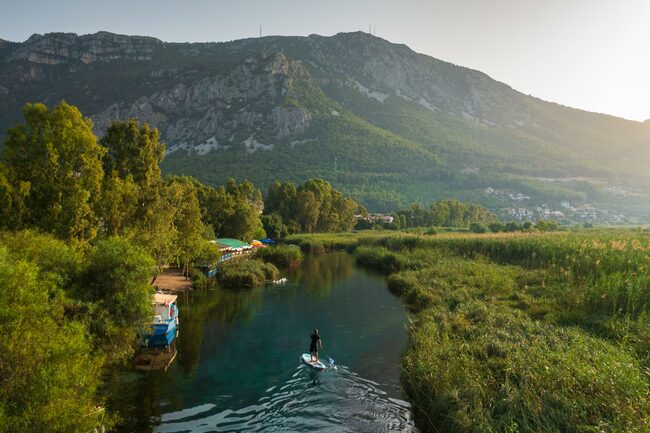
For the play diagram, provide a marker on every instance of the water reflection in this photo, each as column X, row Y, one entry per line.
column 319, row 273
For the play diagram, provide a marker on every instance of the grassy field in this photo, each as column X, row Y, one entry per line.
column 527, row 332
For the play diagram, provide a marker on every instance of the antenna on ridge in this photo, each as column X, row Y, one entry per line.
column 374, row 30
column 260, row 31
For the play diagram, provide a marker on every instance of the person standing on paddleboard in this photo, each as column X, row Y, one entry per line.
column 315, row 343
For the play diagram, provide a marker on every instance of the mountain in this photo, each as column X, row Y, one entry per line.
column 384, row 123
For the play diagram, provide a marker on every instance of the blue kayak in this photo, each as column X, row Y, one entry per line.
column 305, row 358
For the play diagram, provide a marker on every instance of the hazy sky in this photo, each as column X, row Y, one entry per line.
column 590, row 54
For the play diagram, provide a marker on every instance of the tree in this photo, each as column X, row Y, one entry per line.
column 496, row 227
column 56, row 153
column 477, row 228
column 273, row 226
column 134, row 150
column 188, row 236
column 444, row 213
column 546, row 225
column 512, row 226
column 313, row 207
column 13, row 211
column 232, row 210
column 114, row 284
column 50, row 373
column 133, row 187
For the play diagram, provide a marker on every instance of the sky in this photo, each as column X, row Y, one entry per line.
column 589, row 54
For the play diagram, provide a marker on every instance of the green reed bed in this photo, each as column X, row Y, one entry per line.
column 245, row 272
column 280, row 255
column 323, row 242
column 523, row 333
column 483, row 369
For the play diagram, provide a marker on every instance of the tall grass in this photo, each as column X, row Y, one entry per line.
column 523, row 332
column 280, row 255
column 245, row 272
column 483, row 369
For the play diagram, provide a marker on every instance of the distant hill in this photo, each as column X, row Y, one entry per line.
column 382, row 122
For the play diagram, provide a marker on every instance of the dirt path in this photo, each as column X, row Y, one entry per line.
column 172, row 280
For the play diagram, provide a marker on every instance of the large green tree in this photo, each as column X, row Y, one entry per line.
column 133, row 187
column 55, row 156
column 49, row 370
column 114, row 286
column 444, row 213
column 232, row 210
column 188, row 237
column 313, row 207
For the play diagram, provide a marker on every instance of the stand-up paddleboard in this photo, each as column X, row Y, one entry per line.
column 305, row 358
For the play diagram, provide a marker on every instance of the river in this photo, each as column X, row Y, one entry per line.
column 237, row 367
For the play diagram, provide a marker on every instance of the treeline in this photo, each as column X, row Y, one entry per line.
column 514, row 226
column 314, row 207
column 444, row 213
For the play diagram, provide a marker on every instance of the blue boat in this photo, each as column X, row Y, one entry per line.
column 164, row 326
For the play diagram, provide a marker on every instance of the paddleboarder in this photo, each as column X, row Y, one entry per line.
column 315, row 343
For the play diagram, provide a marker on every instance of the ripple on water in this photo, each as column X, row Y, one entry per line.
column 331, row 401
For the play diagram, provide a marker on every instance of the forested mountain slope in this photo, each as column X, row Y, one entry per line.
column 382, row 122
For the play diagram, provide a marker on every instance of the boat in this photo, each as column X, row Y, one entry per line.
column 306, row 359
column 163, row 328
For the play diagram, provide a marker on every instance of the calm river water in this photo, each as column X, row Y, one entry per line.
column 237, row 367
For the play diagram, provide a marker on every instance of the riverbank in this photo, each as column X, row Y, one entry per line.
column 172, row 280
column 538, row 332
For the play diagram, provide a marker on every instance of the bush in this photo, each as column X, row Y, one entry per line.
column 199, row 279
column 431, row 231
column 477, row 228
column 512, row 226
column 244, row 272
column 496, row 227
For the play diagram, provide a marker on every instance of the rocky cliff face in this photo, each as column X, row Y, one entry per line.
column 379, row 69
column 220, row 111
column 56, row 48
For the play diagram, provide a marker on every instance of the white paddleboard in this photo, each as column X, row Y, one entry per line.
column 305, row 358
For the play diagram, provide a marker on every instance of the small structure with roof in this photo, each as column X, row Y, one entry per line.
column 230, row 248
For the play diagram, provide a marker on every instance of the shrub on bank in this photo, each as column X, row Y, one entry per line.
column 199, row 279
column 244, row 272
column 280, row 255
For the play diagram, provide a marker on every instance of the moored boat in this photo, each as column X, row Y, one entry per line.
column 164, row 326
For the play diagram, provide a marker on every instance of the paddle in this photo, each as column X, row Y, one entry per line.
column 329, row 358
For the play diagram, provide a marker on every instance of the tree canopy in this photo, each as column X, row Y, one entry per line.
column 444, row 213
column 312, row 207
column 54, row 171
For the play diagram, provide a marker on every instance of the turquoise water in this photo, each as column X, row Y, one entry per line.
column 238, row 365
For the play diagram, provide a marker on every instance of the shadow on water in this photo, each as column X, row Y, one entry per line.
column 238, row 363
